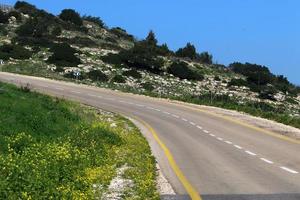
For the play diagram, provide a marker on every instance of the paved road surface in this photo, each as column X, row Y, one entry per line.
column 220, row 159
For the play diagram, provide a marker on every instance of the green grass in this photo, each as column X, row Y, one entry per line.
column 56, row 149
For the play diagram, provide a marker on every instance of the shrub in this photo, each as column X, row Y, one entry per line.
column 183, row 71
column 238, row 82
column 63, row 55
column 121, row 33
column 217, row 78
column 70, row 15
column 3, row 17
column 15, row 14
column 148, row 86
column 97, row 75
column 118, row 79
column 3, row 30
column 133, row 73
column 111, row 58
column 56, row 31
column 14, row 51
column 96, row 20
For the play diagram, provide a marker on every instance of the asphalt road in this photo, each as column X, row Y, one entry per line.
column 219, row 158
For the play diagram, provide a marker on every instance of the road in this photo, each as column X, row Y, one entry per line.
column 217, row 158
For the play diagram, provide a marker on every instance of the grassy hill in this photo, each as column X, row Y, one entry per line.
column 55, row 149
column 38, row 43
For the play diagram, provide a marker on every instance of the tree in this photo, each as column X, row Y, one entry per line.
column 163, row 50
column 25, row 8
column 151, row 39
column 189, row 51
column 205, row 57
column 70, row 15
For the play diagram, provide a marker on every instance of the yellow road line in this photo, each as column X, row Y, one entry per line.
column 186, row 184
column 260, row 130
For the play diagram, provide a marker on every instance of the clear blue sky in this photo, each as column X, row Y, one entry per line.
column 259, row 31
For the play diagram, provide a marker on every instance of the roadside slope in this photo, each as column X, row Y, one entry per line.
column 53, row 148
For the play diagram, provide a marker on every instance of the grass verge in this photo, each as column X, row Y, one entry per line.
column 56, row 149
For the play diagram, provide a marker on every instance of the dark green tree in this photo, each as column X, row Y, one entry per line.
column 70, row 15
column 205, row 57
column 189, row 51
column 151, row 39
column 25, row 8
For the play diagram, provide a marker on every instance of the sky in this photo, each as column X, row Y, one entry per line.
column 265, row 32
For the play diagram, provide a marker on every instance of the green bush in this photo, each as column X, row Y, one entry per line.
column 121, row 33
column 118, row 79
column 96, row 20
column 3, row 30
column 63, row 55
column 3, row 17
column 70, row 15
column 133, row 73
column 14, row 51
column 183, row 71
column 111, row 58
column 97, row 75
column 148, row 86
column 238, row 82
column 15, row 14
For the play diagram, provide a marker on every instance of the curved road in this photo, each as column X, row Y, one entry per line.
column 220, row 159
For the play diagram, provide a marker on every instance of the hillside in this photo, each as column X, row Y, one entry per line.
column 82, row 48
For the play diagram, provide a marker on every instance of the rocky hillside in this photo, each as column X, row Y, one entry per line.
column 83, row 48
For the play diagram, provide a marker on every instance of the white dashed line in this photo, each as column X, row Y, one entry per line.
column 199, row 127
column 57, row 88
column 237, row 146
column 228, row 142
column 99, row 96
column 91, row 95
column 212, row 135
column 205, row 131
column 121, row 101
column 192, row 123
column 150, row 108
column 45, row 86
column 267, row 161
column 250, row 153
column 289, row 170
column 139, row 105
column 157, row 110
column 167, row 113
column 221, row 139
column 184, row 119
column 75, row 92
column 176, row 116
